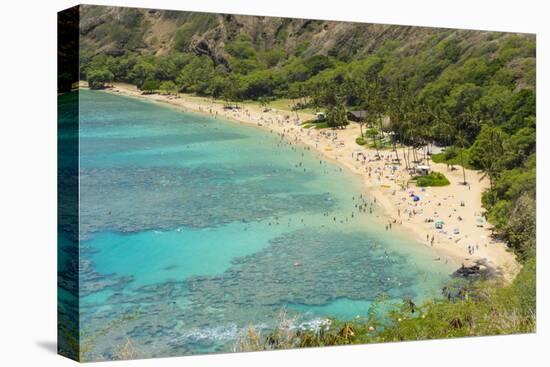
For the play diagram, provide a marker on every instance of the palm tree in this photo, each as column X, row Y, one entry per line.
column 394, row 143
column 461, row 140
column 404, row 130
column 361, row 123
column 370, row 93
column 264, row 102
column 492, row 147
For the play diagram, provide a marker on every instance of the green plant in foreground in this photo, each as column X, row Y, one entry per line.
column 88, row 339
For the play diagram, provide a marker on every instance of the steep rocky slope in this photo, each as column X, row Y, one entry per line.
column 114, row 30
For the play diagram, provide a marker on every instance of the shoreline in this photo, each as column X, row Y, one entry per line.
column 472, row 244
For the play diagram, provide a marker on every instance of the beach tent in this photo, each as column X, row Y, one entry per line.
column 439, row 224
column 320, row 116
column 416, row 198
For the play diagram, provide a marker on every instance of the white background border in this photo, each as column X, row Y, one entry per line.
column 28, row 180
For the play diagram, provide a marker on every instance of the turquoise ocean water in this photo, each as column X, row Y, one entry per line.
column 193, row 228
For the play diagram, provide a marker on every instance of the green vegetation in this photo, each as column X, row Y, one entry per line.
column 477, row 98
column 150, row 86
column 381, row 144
column 451, row 156
column 97, row 78
column 319, row 124
column 432, row 179
column 168, row 87
column 192, row 24
column 88, row 339
column 290, row 104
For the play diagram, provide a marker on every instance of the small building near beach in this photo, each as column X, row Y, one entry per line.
column 422, row 170
column 357, row 116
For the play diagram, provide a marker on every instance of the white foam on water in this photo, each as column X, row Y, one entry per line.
column 216, row 334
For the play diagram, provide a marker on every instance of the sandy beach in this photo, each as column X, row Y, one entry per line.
column 463, row 238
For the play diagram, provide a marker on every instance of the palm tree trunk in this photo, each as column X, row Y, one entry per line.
column 395, row 150
column 426, row 151
column 463, row 169
column 405, row 157
column 409, row 163
column 427, row 155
